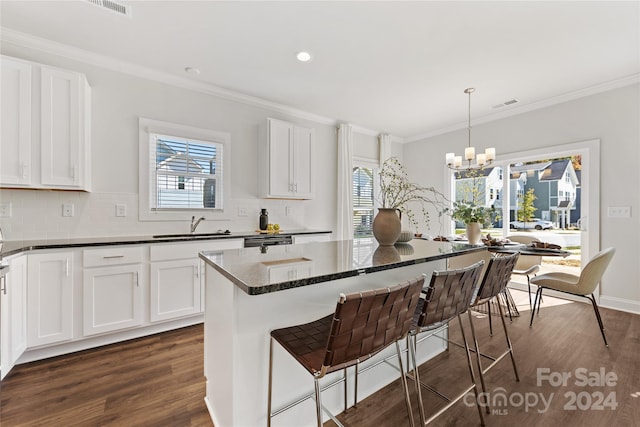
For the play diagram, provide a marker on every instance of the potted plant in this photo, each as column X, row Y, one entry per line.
column 397, row 195
column 470, row 209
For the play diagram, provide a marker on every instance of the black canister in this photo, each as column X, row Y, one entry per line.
column 264, row 219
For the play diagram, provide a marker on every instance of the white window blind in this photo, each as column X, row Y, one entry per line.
column 185, row 173
column 363, row 204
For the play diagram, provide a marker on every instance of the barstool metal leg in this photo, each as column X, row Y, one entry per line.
column 270, row 382
column 469, row 364
column 405, row 387
column 509, row 346
column 478, row 361
column 316, row 383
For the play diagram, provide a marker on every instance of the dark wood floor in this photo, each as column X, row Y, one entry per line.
column 157, row 381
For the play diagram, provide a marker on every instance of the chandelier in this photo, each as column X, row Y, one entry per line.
column 482, row 159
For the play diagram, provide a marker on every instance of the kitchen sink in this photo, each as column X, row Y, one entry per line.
column 194, row 235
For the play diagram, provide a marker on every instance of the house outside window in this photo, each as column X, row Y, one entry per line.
column 184, row 173
column 363, row 200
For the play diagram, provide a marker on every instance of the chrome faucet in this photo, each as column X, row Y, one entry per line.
column 194, row 223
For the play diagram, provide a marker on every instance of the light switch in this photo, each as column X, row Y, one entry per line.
column 121, row 209
column 619, row 212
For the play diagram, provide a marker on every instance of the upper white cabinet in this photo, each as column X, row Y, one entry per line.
column 286, row 161
column 45, row 127
column 15, row 145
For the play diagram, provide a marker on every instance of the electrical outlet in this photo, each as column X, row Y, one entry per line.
column 287, row 210
column 619, row 212
column 67, row 209
column 121, row 209
column 242, row 211
column 5, row 209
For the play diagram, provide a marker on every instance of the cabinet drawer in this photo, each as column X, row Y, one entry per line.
column 112, row 256
column 164, row 252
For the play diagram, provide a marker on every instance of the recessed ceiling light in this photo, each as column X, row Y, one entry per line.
column 303, row 56
column 192, row 71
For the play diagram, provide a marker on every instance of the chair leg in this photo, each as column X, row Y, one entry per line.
column 597, row 311
column 490, row 322
column 529, row 289
column 509, row 346
column 405, row 387
column 346, row 405
column 536, row 301
column 478, row 361
column 355, row 386
column 316, row 383
column 413, row 348
column 469, row 364
column 270, row 382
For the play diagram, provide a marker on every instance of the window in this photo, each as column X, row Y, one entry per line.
column 363, row 201
column 184, row 173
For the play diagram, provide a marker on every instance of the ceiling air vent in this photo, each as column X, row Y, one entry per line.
column 112, row 6
column 507, row 103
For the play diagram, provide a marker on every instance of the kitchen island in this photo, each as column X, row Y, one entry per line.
column 251, row 291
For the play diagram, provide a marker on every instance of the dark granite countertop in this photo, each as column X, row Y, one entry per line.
column 257, row 272
column 12, row 247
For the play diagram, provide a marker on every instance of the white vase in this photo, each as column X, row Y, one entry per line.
column 474, row 233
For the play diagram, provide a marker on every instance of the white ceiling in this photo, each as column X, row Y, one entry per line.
column 397, row 67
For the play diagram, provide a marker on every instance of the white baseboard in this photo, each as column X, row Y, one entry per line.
column 621, row 304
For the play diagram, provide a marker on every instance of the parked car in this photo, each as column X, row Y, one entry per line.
column 536, row 223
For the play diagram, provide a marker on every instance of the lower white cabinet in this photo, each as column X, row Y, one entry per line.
column 112, row 299
column 308, row 238
column 113, row 286
column 176, row 282
column 13, row 333
column 175, row 289
column 49, row 298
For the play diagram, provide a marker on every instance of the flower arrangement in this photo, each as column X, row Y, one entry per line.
column 468, row 212
column 397, row 192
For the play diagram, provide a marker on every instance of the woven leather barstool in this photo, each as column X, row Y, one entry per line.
column 448, row 295
column 363, row 324
column 495, row 280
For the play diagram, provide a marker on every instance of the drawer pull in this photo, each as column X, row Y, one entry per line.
column 113, row 256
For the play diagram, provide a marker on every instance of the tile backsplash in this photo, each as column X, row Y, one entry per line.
column 39, row 214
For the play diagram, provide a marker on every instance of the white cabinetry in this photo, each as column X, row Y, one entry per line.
column 176, row 285
column 286, row 161
column 113, row 288
column 308, row 238
column 15, row 145
column 13, row 333
column 45, row 127
column 49, row 298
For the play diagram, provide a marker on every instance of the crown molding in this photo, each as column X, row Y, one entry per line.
column 592, row 90
column 29, row 41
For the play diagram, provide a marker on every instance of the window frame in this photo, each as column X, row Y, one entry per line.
column 148, row 127
column 375, row 167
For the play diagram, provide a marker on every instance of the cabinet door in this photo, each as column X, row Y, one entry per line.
column 280, row 159
column 49, row 298
column 15, row 109
column 112, row 298
column 302, row 164
column 175, row 289
column 61, row 130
